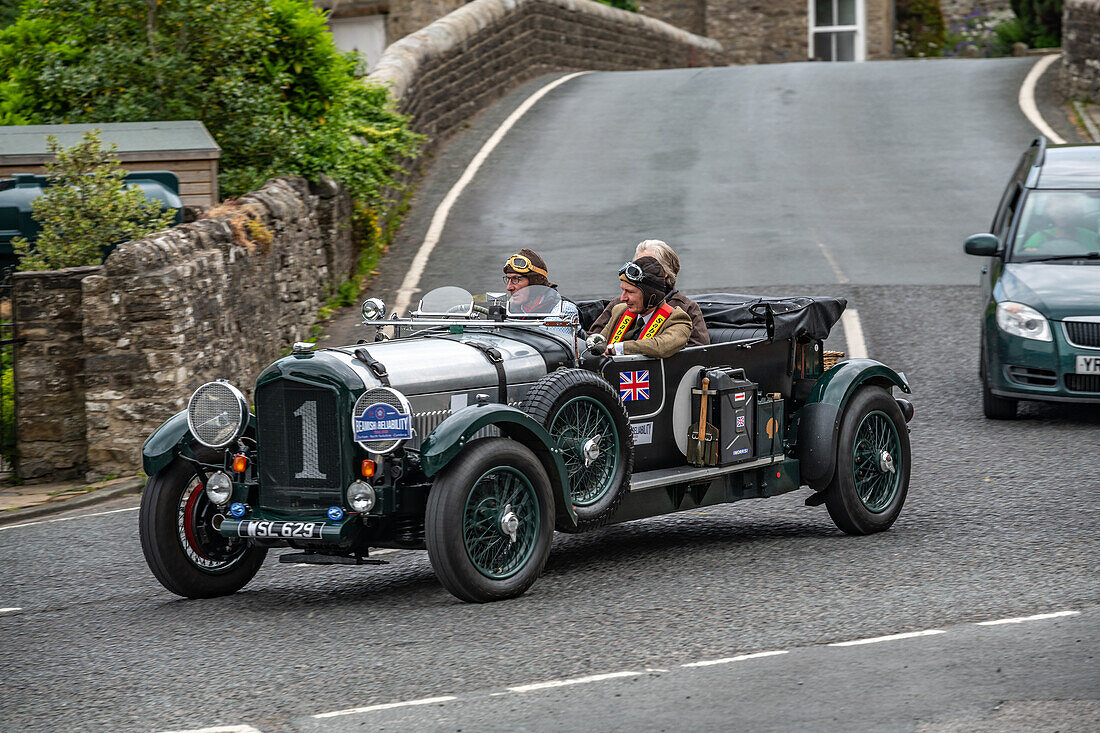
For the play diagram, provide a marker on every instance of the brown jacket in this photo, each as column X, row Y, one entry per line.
column 670, row 338
column 699, row 335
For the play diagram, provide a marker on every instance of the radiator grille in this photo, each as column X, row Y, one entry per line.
column 299, row 447
column 1083, row 333
column 1083, row 382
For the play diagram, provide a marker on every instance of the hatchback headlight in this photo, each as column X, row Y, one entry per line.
column 217, row 414
column 1023, row 321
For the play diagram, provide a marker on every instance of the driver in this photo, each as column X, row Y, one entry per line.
column 643, row 322
column 526, row 268
column 1064, row 212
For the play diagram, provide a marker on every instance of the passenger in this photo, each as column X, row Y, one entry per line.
column 526, row 268
column 1064, row 211
column 665, row 255
column 643, row 322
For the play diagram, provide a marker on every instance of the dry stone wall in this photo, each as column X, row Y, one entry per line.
column 165, row 314
column 1081, row 49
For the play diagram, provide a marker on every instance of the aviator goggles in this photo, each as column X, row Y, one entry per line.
column 522, row 265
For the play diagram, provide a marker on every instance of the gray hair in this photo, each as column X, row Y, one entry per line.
column 662, row 253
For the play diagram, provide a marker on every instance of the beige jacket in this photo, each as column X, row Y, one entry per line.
column 672, row 336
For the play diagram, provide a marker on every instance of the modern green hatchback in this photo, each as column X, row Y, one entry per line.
column 1041, row 283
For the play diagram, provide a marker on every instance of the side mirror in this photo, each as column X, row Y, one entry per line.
column 597, row 344
column 982, row 245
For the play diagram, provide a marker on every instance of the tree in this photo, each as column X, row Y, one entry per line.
column 262, row 75
column 86, row 208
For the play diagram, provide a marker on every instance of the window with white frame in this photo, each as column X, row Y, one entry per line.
column 837, row 30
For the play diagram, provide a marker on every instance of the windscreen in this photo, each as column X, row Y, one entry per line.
column 446, row 301
column 1058, row 225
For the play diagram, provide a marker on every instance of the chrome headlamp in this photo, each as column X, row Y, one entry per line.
column 217, row 414
column 373, row 309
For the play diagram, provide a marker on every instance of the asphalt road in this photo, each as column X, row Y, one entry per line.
column 856, row 180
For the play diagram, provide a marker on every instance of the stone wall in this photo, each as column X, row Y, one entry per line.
column 49, row 373
column 462, row 63
column 956, row 10
column 112, row 352
column 1080, row 74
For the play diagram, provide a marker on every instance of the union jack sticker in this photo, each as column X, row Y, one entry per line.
column 740, row 421
column 634, row 385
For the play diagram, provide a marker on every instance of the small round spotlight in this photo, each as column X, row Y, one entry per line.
column 361, row 496
column 219, row 487
column 335, row 513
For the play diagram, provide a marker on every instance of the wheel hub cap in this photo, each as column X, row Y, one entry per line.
column 591, row 450
column 509, row 523
column 886, row 462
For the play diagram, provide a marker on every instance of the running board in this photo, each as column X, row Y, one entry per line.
column 645, row 480
column 317, row 558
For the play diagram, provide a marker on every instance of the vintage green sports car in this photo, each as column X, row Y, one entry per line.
column 475, row 429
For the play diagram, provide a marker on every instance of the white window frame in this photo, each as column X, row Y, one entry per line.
column 860, row 28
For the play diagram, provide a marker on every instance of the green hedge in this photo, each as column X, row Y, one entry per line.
column 262, row 75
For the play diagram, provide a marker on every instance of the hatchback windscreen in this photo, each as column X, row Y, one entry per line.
column 1059, row 226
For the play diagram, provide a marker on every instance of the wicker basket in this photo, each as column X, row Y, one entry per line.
column 831, row 358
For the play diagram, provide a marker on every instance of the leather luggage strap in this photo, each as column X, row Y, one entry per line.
column 497, row 360
column 377, row 367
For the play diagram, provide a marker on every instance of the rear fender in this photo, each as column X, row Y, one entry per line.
column 452, row 435
column 819, row 419
column 170, row 439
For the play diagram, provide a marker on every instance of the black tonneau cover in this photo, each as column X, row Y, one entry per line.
column 798, row 316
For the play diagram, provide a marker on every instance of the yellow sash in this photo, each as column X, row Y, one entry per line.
column 651, row 330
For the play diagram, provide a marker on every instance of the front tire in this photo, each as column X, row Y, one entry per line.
column 996, row 407
column 489, row 521
column 185, row 553
column 587, row 419
column 872, row 464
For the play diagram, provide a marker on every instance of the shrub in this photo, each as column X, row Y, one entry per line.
column 631, row 5
column 977, row 29
column 1039, row 23
column 86, row 208
column 262, row 75
column 919, row 28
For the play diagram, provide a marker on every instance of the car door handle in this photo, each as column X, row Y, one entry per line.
column 985, row 269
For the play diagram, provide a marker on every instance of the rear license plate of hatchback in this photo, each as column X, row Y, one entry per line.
column 1088, row 364
column 282, row 530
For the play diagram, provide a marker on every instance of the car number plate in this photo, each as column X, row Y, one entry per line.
column 1088, row 364
column 280, row 530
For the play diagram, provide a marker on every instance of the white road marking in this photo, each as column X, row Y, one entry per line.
column 1021, row 619
column 388, row 706
column 67, row 519
column 435, row 230
column 1027, row 99
column 840, row 276
column 573, row 681
column 221, row 729
column 13, row 609
column 891, row 637
column 853, row 334
column 738, row 658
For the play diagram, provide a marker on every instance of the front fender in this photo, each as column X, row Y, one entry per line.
column 819, row 419
column 167, row 441
column 449, row 438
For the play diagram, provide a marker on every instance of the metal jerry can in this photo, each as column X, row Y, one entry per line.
column 736, row 403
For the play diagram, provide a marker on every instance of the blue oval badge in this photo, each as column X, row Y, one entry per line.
column 382, row 422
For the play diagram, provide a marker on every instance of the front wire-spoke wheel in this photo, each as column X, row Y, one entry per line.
column 186, row 554
column 871, row 479
column 589, row 424
column 489, row 521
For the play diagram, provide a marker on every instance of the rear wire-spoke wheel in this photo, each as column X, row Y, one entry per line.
column 589, row 424
column 489, row 521
column 872, row 464
column 186, row 554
